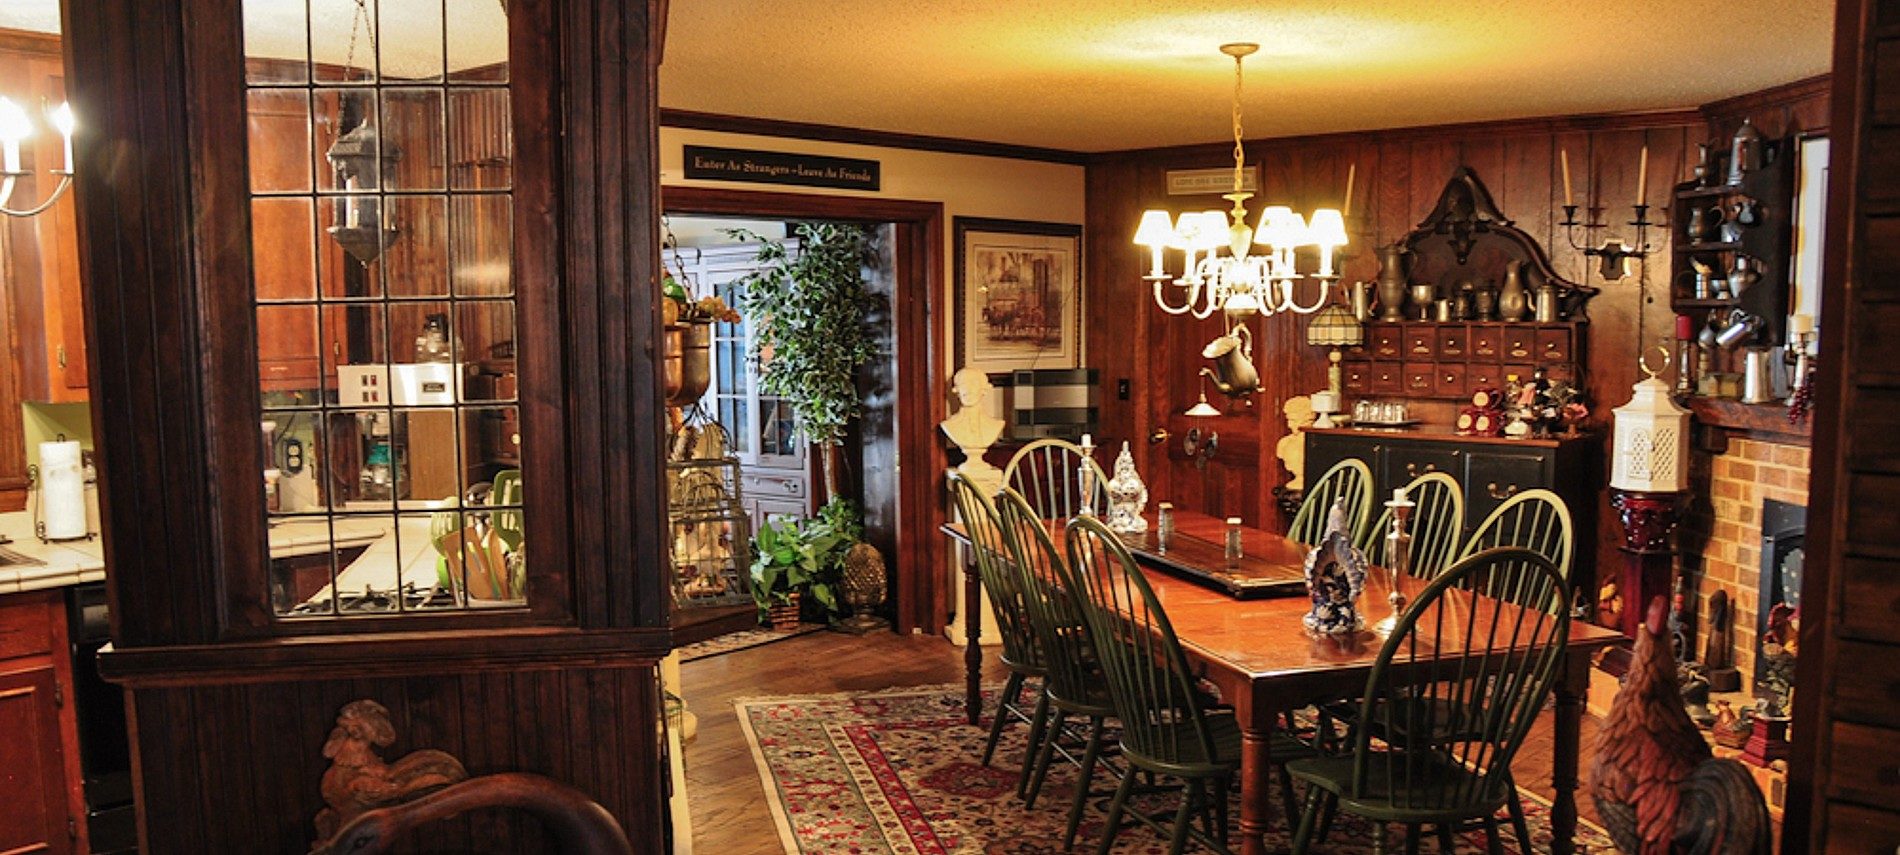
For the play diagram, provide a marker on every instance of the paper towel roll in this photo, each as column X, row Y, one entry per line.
column 62, row 491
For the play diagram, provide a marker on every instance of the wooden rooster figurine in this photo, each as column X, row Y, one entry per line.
column 1656, row 785
column 359, row 780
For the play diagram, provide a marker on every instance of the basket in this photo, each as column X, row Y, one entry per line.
column 783, row 615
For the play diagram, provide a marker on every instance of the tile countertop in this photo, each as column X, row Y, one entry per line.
column 69, row 563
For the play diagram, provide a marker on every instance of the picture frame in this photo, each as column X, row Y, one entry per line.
column 1018, row 294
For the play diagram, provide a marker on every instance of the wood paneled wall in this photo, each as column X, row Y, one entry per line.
column 1400, row 174
column 257, row 749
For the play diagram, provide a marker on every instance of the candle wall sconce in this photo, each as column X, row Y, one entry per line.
column 15, row 127
column 1612, row 254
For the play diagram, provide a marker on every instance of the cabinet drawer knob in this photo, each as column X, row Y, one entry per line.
column 1500, row 495
column 1413, row 470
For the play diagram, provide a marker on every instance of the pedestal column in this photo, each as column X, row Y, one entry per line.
column 1649, row 549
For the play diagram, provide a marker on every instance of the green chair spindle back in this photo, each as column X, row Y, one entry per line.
column 1350, row 480
column 1149, row 682
column 1054, row 614
column 1057, row 479
column 1437, row 525
column 1537, row 520
column 995, row 566
column 1460, row 682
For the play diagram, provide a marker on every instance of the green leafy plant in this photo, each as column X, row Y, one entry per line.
column 810, row 310
column 805, row 556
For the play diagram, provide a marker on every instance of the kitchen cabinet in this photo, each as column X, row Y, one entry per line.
column 40, row 255
column 41, row 787
column 1490, row 469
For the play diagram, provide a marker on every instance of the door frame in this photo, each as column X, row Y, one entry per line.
column 917, row 574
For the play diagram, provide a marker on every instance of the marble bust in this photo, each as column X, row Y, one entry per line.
column 972, row 429
column 1292, row 448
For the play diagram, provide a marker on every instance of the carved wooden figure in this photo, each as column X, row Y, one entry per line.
column 358, row 779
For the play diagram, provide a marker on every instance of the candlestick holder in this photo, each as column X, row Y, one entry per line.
column 1613, row 254
column 1085, row 475
column 1796, row 354
column 1398, row 560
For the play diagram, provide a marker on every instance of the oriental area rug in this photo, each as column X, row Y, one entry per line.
column 897, row 773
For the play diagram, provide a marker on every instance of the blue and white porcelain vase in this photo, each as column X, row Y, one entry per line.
column 1335, row 579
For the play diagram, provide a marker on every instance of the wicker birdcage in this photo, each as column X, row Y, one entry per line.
column 711, row 547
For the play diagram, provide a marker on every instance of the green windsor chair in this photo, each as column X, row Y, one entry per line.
column 1452, row 695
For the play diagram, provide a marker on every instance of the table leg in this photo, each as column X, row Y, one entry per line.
column 972, row 648
column 1256, row 775
column 1566, row 743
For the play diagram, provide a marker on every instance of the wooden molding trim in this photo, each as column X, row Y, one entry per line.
column 692, row 120
column 1427, row 133
column 1820, row 85
column 27, row 41
column 918, row 579
column 397, row 654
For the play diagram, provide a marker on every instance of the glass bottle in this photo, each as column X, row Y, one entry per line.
column 433, row 344
column 377, row 481
column 1234, row 551
column 1164, row 525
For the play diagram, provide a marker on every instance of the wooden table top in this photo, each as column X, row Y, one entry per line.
column 1269, row 566
column 1264, row 639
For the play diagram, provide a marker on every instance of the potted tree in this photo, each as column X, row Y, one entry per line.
column 810, row 308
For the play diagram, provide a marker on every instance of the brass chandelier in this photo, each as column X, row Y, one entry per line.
column 1240, row 283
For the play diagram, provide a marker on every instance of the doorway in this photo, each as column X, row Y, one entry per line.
column 914, row 394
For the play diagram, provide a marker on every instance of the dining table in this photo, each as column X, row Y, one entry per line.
column 1264, row 662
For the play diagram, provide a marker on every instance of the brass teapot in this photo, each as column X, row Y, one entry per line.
column 1233, row 372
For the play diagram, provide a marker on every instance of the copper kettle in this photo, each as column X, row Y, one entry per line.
column 1233, row 372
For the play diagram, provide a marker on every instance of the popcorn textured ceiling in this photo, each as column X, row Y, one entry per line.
column 1102, row 75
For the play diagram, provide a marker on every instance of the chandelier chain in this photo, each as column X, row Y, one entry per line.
column 1239, row 154
column 361, row 16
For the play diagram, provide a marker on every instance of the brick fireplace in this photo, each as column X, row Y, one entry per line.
column 1722, row 534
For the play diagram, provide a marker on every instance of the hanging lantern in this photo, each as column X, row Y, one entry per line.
column 361, row 159
column 1652, row 440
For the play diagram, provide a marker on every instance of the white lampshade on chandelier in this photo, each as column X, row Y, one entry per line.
column 1239, row 283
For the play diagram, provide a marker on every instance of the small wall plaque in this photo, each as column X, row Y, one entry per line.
column 779, row 167
column 1211, row 182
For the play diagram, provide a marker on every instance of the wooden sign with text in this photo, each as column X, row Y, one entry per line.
column 778, row 167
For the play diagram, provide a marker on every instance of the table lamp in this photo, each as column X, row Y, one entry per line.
column 1333, row 327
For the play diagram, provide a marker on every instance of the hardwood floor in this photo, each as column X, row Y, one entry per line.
column 729, row 810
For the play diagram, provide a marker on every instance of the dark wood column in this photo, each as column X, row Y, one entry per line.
column 231, row 711
column 1843, row 762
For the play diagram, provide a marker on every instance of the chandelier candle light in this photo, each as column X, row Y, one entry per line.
column 15, row 127
column 1240, row 283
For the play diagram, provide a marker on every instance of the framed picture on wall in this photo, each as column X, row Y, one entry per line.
column 1018, row 294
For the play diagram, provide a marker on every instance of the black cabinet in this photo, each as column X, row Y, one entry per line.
column 1491, row 470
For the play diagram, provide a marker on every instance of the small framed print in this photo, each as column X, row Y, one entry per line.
column 1018, row 294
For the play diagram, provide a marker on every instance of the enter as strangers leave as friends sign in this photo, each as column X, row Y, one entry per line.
column 777, row 167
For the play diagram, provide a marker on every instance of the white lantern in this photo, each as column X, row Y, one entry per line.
column 1652, row 441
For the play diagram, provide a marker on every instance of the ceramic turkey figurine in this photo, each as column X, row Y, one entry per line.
column 1127, row 496
column 1335, row 577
